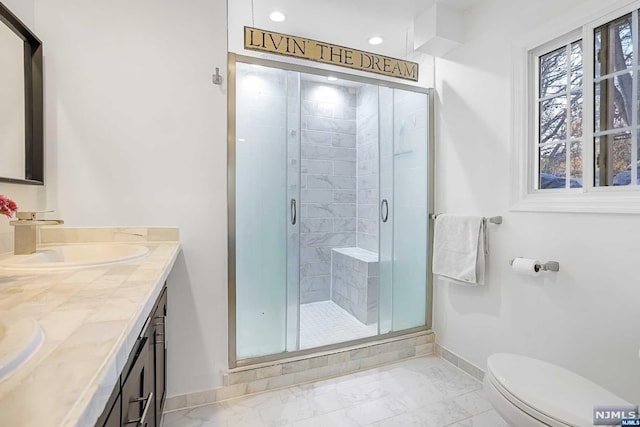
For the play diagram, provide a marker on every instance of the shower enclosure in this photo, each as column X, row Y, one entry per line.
column 329, row 201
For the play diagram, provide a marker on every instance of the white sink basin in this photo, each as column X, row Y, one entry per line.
column 74, row 256
column 19, row 340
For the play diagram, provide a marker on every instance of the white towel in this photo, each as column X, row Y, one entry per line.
column 459, row 248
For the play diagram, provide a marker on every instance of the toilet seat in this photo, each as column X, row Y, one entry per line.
column 517, row 406
column 512, row 412
column 548, row 393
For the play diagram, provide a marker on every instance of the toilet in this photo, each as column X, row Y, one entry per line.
column 527, row 392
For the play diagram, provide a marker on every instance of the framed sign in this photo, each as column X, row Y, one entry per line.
column 326, row 53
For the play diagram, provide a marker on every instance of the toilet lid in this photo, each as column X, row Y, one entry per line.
column 548, row 389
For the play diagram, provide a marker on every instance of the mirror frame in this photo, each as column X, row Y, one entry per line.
column 33, row 91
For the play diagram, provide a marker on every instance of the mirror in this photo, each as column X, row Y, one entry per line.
column 21, row 117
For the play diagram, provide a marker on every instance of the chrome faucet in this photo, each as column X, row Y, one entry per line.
column 26, row 231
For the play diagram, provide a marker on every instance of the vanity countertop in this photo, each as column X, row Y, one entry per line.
column 90, row 317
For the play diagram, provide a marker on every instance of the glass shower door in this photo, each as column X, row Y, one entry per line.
column 266, row 227
column 404, row 239
column 354, row 151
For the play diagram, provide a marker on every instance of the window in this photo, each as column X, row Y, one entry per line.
column 560, row 117
column 576, row 116
column 560, row 139
column 616, row 103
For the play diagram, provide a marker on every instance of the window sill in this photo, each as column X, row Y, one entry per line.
column 618, row 202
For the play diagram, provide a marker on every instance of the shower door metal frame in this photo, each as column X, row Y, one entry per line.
column 231, row 205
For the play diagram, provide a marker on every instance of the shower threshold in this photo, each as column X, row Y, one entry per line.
column 321, row 363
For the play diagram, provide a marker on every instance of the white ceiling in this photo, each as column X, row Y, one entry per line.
column 351, row 22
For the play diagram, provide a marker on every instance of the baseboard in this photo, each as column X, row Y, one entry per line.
column 459, row 362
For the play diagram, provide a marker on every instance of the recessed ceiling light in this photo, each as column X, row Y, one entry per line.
column 375, row 40
column 332, row 79
column 276, row 16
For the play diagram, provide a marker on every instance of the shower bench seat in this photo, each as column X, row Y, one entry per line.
column 355, row 280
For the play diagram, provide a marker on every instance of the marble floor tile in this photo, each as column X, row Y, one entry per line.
column 486, row 419
column 425, row 391
column 474, row 402
column 204, row 416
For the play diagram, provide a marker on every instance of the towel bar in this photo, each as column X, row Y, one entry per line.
column 492, row 220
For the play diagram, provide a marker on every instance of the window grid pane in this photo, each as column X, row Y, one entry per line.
column 575, row 165
column 612, row 159
column 553, row 73
column 613, row 46
column 553, row 119
column 613, row 102
column 553, row 166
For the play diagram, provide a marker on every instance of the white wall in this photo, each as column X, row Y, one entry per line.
column 585, row 317
column 136, row 135
column 28, row 197
column 24, row 10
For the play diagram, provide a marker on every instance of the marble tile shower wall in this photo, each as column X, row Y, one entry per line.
column 328, row 183
column 367, row 173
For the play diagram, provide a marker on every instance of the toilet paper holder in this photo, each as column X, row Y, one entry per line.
column 547, row 266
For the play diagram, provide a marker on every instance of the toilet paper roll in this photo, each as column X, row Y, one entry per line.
column 526, row 266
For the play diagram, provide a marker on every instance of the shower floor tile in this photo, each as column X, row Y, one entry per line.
column 425, row 391
column 325, row 322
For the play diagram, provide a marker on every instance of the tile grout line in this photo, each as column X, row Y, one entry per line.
column 469, row 417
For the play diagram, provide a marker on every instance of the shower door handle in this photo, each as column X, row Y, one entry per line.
column 294, row 212
column 384, row 210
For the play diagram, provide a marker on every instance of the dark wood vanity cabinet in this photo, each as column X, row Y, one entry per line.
column 138, row 403
column 138, row 398
column 160, row 354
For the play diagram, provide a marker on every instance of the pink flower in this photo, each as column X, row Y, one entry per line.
column 7, row 206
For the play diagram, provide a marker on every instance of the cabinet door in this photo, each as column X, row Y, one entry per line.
column 160, row 355
column 111, row 415
column 137, row 393
column 113, row 420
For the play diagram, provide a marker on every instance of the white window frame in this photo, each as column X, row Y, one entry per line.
column 525, row 161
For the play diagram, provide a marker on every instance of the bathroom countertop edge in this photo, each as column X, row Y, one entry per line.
column 119, row 298
column 93, row 404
